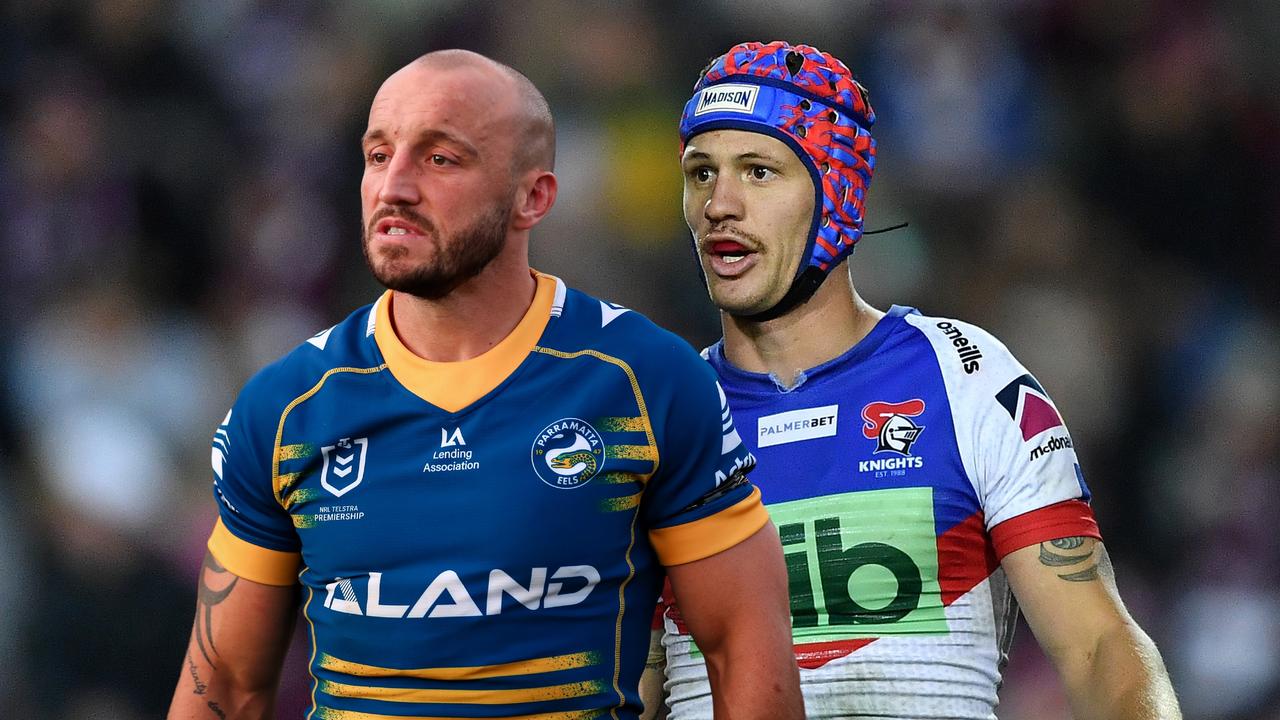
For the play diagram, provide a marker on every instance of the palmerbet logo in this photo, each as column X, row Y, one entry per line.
column 567, row 453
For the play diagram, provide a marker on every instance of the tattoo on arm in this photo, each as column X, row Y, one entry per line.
column 196, row 682
column 211, row 573
column 1069, row 553
column 201, row 688
column 1068, row 543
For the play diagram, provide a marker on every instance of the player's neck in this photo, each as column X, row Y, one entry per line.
column 833, row 321
column 473, row 318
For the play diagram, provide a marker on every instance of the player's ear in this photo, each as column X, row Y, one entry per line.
column 534, row 198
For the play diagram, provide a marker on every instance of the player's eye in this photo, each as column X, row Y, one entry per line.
column 760, row 172
column 377, row 158
column 440, row 160
column 701, row 174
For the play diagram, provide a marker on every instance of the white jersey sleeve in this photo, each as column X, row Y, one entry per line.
column 1012, row 440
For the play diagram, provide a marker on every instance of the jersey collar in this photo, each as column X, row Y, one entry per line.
column 453, row 386
column 754, row 382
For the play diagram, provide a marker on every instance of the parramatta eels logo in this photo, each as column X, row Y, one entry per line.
column 890, row 425
column 567, row 453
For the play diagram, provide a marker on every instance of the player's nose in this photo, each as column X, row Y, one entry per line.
column 725, row 201
column 400, row 183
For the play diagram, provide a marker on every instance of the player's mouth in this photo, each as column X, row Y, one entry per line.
column 394, row 227
column 728, row 257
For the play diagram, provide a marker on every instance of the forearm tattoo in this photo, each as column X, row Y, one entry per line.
column 1074, row 555
column 200, row 687
column 211, row 573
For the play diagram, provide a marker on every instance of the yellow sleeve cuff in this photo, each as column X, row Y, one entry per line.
column 702, row 538
column 251, row 562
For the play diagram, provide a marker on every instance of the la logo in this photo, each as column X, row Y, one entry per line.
column 447, row 440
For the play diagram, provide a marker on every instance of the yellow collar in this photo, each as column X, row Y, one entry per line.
column 454, row 385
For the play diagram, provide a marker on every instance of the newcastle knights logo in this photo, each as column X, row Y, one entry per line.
column 343, row 465
column 890, row 425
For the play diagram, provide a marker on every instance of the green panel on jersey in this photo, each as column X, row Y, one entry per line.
column 862, row 564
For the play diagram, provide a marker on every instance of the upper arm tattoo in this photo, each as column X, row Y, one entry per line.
column 1073, row 556
column 214, row 588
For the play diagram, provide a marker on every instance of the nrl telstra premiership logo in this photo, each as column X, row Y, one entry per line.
column 343, row 467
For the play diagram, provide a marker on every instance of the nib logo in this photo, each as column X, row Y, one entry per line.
column 1029, row 406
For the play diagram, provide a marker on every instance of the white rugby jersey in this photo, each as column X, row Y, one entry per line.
column 898, row 475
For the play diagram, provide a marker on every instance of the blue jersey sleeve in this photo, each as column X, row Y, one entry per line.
column 699, row 501
column 254, row 537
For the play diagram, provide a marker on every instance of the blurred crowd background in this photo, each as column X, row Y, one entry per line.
column 1095, row 182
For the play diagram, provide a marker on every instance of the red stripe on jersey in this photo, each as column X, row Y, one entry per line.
column 814, row 655
column 965, row 558
column 1069, row 518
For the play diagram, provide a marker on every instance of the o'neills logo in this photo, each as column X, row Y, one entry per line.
column 968, row 352
column 727, row 98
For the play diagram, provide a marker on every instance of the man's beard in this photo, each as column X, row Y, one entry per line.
column 458, row 258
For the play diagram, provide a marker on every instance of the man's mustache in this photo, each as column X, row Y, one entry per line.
column 404, row 214
column 749, row 241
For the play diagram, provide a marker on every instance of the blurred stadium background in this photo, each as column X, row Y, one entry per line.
column 1095, row 182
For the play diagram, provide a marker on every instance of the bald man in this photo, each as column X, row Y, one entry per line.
column 474, row 485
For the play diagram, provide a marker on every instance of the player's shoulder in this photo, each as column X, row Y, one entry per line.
column 588, row 323
column 968, row 355
column 347, row 345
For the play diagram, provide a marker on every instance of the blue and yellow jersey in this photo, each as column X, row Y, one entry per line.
column 484, row 538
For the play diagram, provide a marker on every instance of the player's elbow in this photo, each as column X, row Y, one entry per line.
column 1117, row 646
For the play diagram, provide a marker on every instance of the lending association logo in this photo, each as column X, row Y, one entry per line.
column 453, row 454
column 342, row 460
column 567, row 453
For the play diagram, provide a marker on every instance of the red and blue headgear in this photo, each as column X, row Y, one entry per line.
column 810, row 101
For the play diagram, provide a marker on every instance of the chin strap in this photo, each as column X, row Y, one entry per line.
column 804, row 287
column 801, row 290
